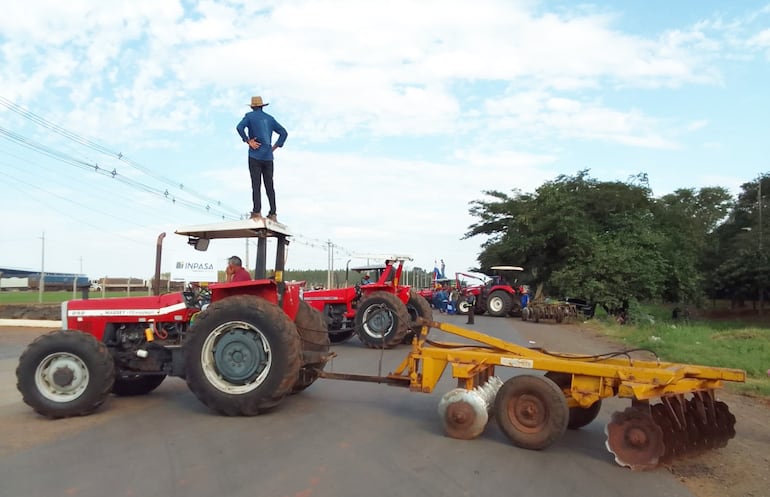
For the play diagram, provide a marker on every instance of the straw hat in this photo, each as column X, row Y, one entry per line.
column 257, row 102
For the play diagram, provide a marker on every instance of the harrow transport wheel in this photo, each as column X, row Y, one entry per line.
column 417, row 307
column 532, row 411
column 578, row 416
column 382, row 320
column 242, row 355
column 129, row 385
column 635, row 439
column 499, row 303
column 313, row 333
column 65, row 373
column 341, row 336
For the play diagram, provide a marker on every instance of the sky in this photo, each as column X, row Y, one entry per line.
column 117, row 120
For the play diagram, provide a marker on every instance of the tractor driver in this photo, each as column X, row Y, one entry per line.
column 235, row 270
column 366, row 280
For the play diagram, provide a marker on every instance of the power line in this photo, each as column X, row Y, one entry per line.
column 31, row 116
column 114, row 174
column 210, row 206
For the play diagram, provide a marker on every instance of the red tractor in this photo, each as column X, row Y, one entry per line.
column 498, row 296
column 382, row 313
column 241, row 347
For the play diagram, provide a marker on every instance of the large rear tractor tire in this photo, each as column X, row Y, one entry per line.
column 313, row 332
column 532, row 411
column 130, row 385
column 382, row 321
column 243, row 355
column 417, row 307
column 65, row 373
column 499, row 303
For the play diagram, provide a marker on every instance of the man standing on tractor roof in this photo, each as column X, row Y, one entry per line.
column 261, row 127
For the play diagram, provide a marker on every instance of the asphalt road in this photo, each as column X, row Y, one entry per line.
column 336, row 439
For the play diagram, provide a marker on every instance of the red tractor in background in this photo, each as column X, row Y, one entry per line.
column 498, row 296
column 382, row 313
column 241, row 347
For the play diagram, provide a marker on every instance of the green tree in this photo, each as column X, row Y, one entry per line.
column 737, row 262
column 687, row 218
column 608, row 241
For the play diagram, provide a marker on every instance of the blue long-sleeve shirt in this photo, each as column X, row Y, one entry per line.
column 261, row 127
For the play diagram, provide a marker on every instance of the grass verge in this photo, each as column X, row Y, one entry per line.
column 57, row 297
column 721, row 344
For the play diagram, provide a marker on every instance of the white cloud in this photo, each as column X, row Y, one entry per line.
column 399, row 113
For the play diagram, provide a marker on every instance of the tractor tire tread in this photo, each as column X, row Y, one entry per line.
column 101, row 371
column 284, row 341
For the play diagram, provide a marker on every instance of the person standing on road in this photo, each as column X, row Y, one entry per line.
column 235, row 270
column 261, row 126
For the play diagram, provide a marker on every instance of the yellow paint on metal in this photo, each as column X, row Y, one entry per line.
column 591, row 379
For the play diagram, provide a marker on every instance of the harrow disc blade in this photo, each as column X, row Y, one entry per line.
column 725, row 423
column 635, row 439
column 672, row 446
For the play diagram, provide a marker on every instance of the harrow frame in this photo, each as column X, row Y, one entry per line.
column 639, row 437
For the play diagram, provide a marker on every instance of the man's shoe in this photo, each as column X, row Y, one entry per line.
column 256, row 216
column 272, row 217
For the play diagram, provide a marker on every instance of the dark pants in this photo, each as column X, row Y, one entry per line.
column 262, row 169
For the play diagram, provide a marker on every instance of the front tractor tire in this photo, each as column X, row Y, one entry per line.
column 242, row 356
column 382, row 321
column 463, row 306
column 417, row 307
column 499, row 303
column 65, row 373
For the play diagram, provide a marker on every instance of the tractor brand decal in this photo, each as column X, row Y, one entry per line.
column 199, row 269
column 126, row 312
column 305, row 297
column 515, row 362
column 195, row 266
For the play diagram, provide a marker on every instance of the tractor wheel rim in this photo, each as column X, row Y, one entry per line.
column 378, row 321
column 236, row 357
column 61, row 377
column 496, row 304
column 463, row 306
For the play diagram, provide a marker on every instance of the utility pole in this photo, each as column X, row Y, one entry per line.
column 247, row 254
column 330, row 265
column 759, row 194
column 761, row 255
column 41, row 286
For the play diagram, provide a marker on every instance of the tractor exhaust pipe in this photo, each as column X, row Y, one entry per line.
column 158, row 253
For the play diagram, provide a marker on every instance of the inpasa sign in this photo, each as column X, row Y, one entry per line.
column 194, row 270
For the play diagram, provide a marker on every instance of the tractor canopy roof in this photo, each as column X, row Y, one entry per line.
column 385, row 257
column 199, row 234
column 507, row 268
column 370, row 267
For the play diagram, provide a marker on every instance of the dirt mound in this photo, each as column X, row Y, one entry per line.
column 31, row 311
